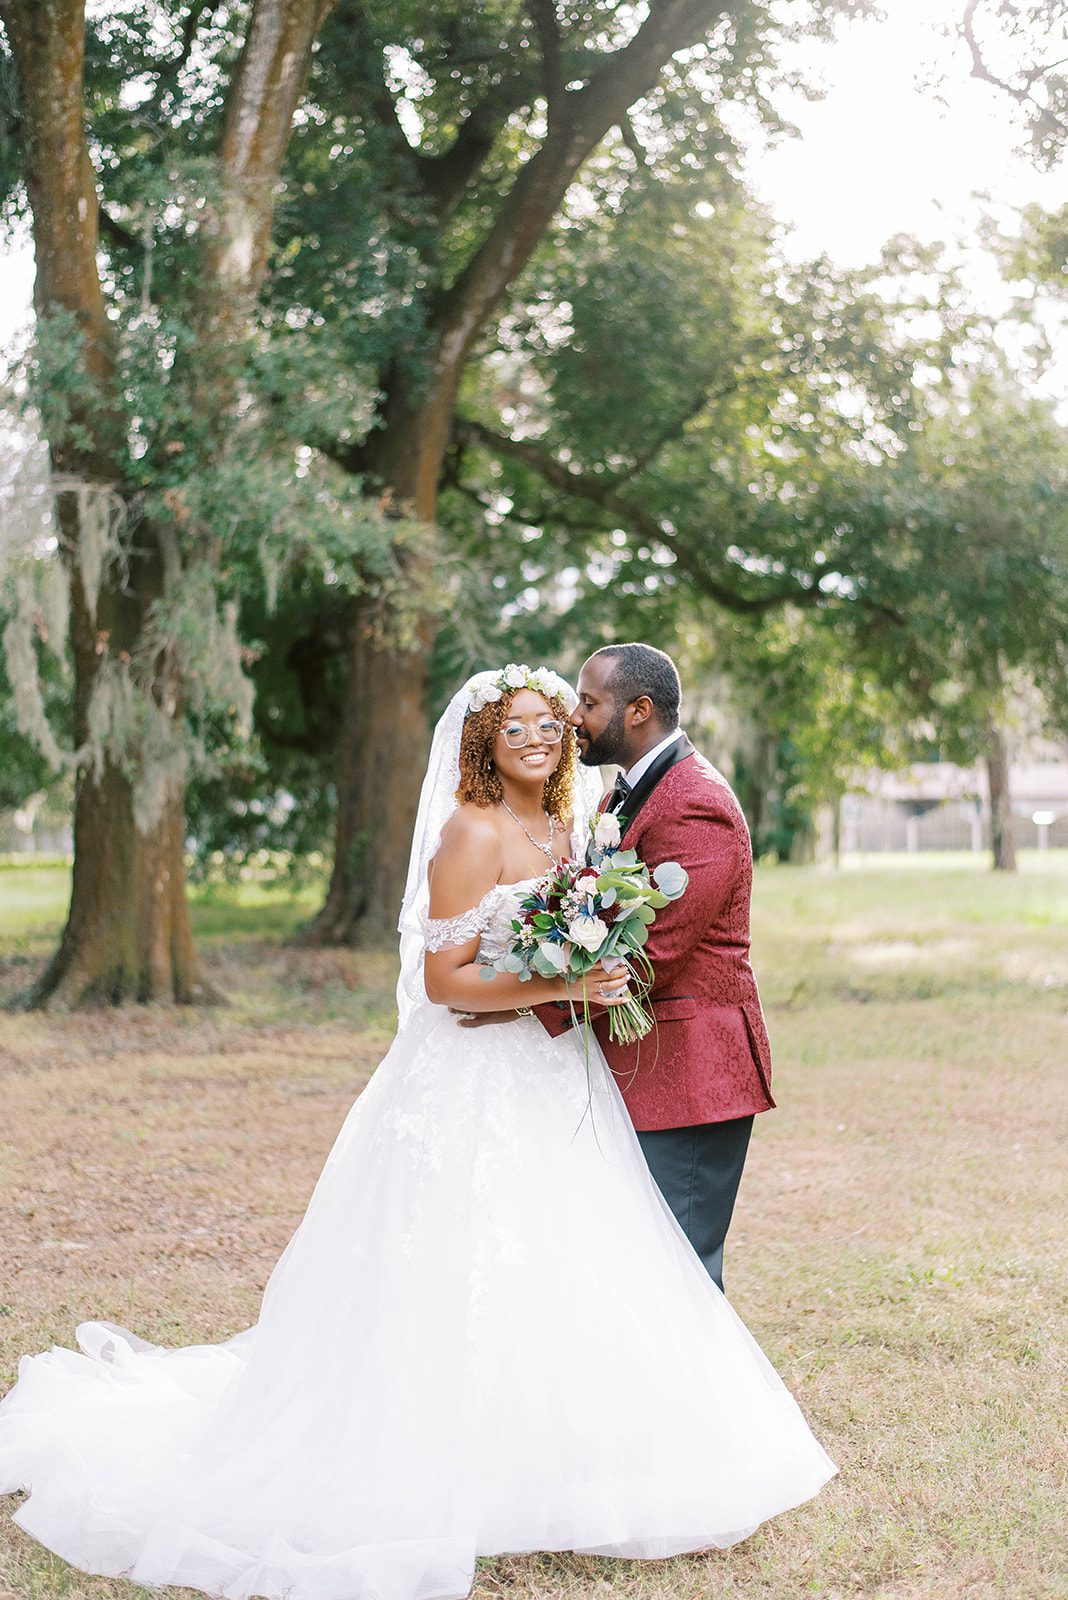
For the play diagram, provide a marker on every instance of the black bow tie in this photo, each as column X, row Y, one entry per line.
column 620, row 791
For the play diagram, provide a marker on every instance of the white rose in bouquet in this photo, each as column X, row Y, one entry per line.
column 589, row 933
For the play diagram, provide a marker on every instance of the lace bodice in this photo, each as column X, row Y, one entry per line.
column 491, row 919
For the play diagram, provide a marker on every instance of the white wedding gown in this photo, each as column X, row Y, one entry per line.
column 488, row 1334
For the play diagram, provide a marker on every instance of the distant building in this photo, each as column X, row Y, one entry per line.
column 938, row 806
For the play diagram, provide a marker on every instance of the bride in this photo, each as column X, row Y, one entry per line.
column 488, row 1333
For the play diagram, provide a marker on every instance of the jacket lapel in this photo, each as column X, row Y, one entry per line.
column 648, row 781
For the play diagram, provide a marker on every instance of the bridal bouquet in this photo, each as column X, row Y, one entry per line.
column 581, row 913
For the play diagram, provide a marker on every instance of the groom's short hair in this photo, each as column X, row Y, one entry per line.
column 642, row 669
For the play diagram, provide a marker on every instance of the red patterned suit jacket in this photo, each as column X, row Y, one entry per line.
column 708, row 1059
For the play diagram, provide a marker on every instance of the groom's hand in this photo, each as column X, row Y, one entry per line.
column 475, row 1019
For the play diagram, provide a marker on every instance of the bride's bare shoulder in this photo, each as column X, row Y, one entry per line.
column 472, row 834
column 468, row 860
column 471, row 825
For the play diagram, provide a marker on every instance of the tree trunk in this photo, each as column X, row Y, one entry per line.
column 384, row 741
column 1002, row 825
column 803, row 846
column 384, row 734
column 128, row 934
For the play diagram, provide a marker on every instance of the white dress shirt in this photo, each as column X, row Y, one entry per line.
column 641, row 767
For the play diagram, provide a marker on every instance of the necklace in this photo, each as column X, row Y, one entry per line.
column 546, row 849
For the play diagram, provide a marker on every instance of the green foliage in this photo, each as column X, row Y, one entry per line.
column 53, row 385
column 12, row 197
column 24, row 768
column 707, row 431
column 820, row 475
column 1039, row 250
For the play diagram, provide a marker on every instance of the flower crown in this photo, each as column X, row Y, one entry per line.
column 486, row 687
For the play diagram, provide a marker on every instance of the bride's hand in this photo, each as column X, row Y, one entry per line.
column 607, row 982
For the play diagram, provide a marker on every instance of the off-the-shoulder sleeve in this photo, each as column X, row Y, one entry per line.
column 441, row 933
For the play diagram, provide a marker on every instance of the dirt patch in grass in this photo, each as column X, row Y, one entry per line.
column 899, row 1248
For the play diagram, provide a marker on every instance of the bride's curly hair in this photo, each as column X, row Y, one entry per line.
column 480, row 782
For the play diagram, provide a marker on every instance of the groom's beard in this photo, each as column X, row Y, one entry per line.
column 607, row 749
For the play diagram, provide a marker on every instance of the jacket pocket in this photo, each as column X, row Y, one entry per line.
column 674, row 1007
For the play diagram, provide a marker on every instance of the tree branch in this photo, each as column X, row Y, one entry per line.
column 441, row 179
column 1020, row 93
column 117, row 232
column 633, row 143
column 577, row 485
column 446, row 177
column 48, row 47
column 623, row 77
column 257, row 120
column 667, row 435
column 979, row 67
column 543, row 15
column 677, row 426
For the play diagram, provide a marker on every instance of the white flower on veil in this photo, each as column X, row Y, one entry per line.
column 487, row 687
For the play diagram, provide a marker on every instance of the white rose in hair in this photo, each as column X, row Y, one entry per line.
column 492, row 694
column 606, row 830
column 589, row 933
column 478, row 690
column 514, row 676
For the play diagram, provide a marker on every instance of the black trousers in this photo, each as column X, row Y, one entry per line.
column 698, row 1171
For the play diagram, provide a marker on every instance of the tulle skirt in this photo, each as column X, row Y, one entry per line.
column 487, row 1335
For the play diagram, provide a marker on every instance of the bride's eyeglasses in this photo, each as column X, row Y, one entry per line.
column 517, row 734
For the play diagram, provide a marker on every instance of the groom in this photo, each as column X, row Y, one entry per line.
column 693, row 1086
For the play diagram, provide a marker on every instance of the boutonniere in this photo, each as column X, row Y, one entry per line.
column 605, row 832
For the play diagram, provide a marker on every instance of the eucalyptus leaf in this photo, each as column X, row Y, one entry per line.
column 551, row 959
column 670, row 879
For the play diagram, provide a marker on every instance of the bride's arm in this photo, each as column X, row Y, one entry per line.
column 466, row 867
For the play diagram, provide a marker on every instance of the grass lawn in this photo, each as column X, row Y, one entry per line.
column 899, row 1249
